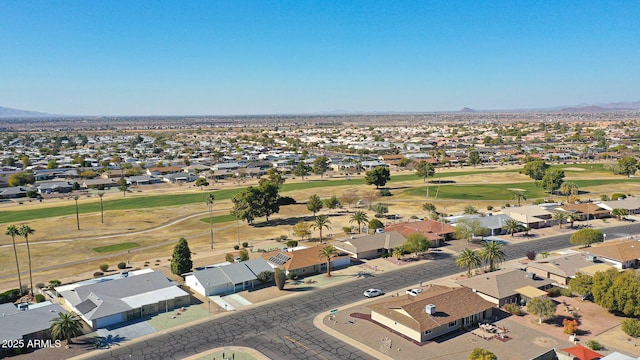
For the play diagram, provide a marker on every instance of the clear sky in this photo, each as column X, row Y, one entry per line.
column 263, row 57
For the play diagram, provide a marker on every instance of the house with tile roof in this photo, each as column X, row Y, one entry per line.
column 228, row 278
column 435, row 231
column 126, row 297
column 623, row 254
column 436, row 311
column 505, row 286
column 533, row 216
column 585, row 211
column 305, row 261
column 371, row 246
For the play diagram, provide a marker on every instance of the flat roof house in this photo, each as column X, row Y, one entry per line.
column 433, row 230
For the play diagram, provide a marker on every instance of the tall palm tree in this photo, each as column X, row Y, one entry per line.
column 75, row 198
column 359, row 217
column 25, row 231
column 492, row 253
column 468, row 259
column 66, row 326
column 209, row 201
column 571, row 218
column 518, row 196
column 512, row 226
column 560, row 217
column 13, row 231
column 569, row 188
column 328, row 252
column 321, row 222
column 100, row 195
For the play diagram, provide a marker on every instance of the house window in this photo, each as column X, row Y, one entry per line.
column 453, row 323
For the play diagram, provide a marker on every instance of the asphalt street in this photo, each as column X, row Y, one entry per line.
column 285, row 330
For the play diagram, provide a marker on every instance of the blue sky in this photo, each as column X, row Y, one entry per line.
column 266, row 57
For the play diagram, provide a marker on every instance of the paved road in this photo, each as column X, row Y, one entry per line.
column 284, row 329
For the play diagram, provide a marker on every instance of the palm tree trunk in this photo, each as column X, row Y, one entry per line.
column 15, row 252
column 26, row 238
column 328, row 267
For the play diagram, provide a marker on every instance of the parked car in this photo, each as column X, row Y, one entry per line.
column 414, row 292
column 372, row 293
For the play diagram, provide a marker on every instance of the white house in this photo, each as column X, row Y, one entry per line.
column 227, row 278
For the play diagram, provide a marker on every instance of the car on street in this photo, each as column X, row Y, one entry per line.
column 372, row 293
column 414, row 292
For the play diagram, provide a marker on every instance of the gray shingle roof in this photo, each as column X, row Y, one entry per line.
column 13, row 326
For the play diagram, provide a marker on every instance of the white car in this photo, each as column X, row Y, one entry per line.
column 414, row 292
column 372, row 293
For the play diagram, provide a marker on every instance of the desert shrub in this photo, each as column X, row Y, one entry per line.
column 385, row 255
column 9, row 296
column 245, row 244
column 283, row 237
column 54, row 283
column 507, row 205
column 280, row 278
column 122, row 265
column 631, row 327
column 40, row 286
column 385, row 192
column 291, row 276
column 566, row 292
column 538, row 201
column 39, row 298
column 286, row 200
column 228, row 257
column 244, row 255
column 513, row 309
column 531, row 255
column 489, row 207
column 236, row 247
column 265, row 276
column 292, row 243
column 347, row 229
column 98, row 274
column 617, row 196
column 104, row 267
column 554, row 291
column 594, row 345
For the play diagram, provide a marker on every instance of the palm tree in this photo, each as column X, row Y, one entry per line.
column 398, row 252
column 328, row 252
column 571, row 218
column 468, row 259
column 518, row 196
column 209, row 201
column 12, row 231
column 359, row 217
column 66, row 326
column 25, row 231
column 100, row 195
column 75, row 198
column 321, row 222
column 560, row 217
column 512, row 226
column 569, row 188
column 492, row 253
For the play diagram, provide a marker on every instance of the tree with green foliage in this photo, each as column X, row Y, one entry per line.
column 52, row 164
column 375, row 224
column 625, row 291
column 618, row 196
column 243, row 254
column 25, row 231
column 302, row 170
column 416, row 243
column 379, row 208
column 619, row 213
column 181, row 259
column 201, row 182
column 535, row 169
column 425, row 170
column 470, row 210
column 482, row 354
column 559, row 217
column 360, row 217
column 466, row 229
column 328, row 252
column 512, row 226
column 245, row 205
column 67, row 326
column 280, row 277
column 274, row 175
column 430, row 207
column 581, row 284
column 627, row 165
column 518, row 196
column 469, row 259
column 474, row 158
column 378, row 176
column 631, row 327
column 398, row 253
column 268, row 195
column 301, row 229
column 320, row 165
column 123, row 186
column 543, row 307
column 552, row 180
column 569, row 189
column 21, row 178
column 331, row 203
column 321, row 222
column 314, row 204
column 602, row 288
column 209, row 200
column 492, row 254
column 586, row 237
column 13, row 231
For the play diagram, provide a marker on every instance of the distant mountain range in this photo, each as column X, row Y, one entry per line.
column 17, row 113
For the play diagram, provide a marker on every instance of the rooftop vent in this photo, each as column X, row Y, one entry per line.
column 430, row 309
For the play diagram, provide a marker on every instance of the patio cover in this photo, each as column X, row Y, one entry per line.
column 583, row 353
column 593, row 269
column 530, row 292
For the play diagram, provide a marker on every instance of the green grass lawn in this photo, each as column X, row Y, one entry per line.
column 116, row 247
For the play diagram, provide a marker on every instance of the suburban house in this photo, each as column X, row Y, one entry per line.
column 228, row 278
column 561, row 268
column 435, row 231
column 631, row 204
column 163, row 170
column 371, row 246
column 507, row 286
column 27, row 323
column 494, row 223
column 305, row 261
column 143, row 180
column 98, row 183
column 623, row 254
column 179, row 177
column 110, row 300
column 533, row 216
column 54, row 187
column 13, row 192
column 585, row 211
column 436, row 311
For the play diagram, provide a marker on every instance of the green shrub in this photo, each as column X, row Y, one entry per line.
column 385, row 192
column 9, row 296
column 104, row 267
column 566, row 292
column 489, row 207
column 617, row 196
column 122, row 265
column 507, row 205
column 39, row 298
column 594, row 345
column 265, row 276
column 40, row 286
column 97, row 274
column 228, row 257
column 554, row 291
column 54, row 283
column 347, row 229
column 236, row 247
column 631, row 327
column 292, row 243
column 245, row 244
column 291, row 275
column 283, row 237
column 513, row 309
